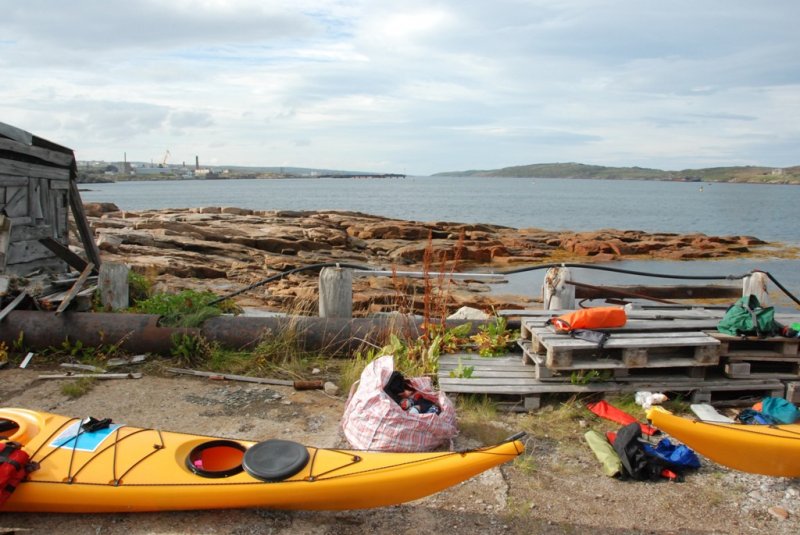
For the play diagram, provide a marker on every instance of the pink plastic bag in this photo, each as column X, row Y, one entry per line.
column 374, row 421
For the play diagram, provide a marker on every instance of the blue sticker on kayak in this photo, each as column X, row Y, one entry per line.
column 83, row 441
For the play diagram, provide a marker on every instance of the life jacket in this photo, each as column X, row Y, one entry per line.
column 590, row 318
column 14, row 467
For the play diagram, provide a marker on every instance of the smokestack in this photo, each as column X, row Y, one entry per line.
column 197, row 162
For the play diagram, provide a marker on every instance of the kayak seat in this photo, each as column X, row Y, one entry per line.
column 216, row 458
column 275, row 460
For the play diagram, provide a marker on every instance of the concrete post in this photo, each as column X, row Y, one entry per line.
column 112, row 282
column 556, row 293
column 756, row 284
column 335, row 293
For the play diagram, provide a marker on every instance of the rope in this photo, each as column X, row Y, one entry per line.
column 283, row 274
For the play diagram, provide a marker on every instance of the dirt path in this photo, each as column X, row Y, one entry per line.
column 556, row 488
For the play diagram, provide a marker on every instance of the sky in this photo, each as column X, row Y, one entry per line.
column 410, row 86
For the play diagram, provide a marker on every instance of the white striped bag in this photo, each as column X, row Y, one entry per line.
column 374, row 421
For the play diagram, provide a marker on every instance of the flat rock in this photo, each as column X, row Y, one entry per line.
column 190, row 248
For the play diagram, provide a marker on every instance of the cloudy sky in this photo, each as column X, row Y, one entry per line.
column 414, row 86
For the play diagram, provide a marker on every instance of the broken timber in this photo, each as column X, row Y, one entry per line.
column 297, row 385
column 92, row 375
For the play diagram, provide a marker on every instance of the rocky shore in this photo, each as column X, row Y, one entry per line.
column 227, row 249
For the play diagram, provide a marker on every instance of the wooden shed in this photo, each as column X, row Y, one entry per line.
column 37, row 193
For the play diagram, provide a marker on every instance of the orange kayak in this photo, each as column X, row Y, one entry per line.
column 90, row 466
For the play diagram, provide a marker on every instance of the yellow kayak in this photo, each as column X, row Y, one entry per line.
column 90, row 466
column 772, row 450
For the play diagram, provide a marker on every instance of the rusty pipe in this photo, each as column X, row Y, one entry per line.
column 141, row 333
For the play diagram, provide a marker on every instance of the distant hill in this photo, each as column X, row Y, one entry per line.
column 750, row 174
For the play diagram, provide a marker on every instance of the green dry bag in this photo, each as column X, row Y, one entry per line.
column 747, row 317
column 605, row 453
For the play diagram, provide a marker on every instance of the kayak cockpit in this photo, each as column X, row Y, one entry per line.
column 20, row 425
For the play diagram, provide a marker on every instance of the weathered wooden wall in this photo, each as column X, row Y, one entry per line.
column 34, row 198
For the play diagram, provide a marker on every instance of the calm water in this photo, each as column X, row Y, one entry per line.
column 767, row 212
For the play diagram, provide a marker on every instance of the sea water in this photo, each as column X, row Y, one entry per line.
column 768, row 212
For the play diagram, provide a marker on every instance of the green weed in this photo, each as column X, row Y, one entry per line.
column 188, row 308
column 191, row 351
column 494, row 338
column 78, row 388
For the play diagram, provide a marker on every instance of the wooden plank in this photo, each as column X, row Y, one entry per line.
column 27, row 251
column 640, row 325
column 699, row 312
column 87, row 237
column 489, row 386
column 13, row 181
column 25, row 269
column 13, row 167
column 75, row 288
column 6, row 237
column 12, row 305
column 47, row 156
column 232, row 377
column 64, row 253
column 656, row 292
column 30, row 232
column 92, row 376
column 17, row 201
column 17, row 134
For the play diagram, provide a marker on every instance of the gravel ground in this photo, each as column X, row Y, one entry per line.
column 556, row 488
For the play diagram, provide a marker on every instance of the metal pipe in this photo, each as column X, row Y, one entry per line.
column 141, row 333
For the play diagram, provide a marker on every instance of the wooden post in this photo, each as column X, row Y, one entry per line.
column 5, row 240
column 756, row 284
column 335, row 293
column 556, row 293
column 112, row 283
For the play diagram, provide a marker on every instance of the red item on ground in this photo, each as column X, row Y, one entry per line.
column 669, row 474
column 609, row 412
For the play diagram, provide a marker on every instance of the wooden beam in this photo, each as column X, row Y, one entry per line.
column 87, row 238
column 135, row 375
column 12, row 305
column 75, row 288
column 74, row 261
column 656, row 293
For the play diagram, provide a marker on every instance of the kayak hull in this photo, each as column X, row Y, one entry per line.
column 772, row 450
column 126, row 469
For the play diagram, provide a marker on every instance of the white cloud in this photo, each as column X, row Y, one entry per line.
column 419, row 86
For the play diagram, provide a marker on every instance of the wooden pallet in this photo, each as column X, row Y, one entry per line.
column 625, row 349
column 757, row 348
column 655, row 324
column 773, row 368
column 658, row 366
column 506, row 377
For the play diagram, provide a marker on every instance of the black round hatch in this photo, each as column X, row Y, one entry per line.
column 275, row 460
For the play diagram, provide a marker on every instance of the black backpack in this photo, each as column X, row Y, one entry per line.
column 636, row 463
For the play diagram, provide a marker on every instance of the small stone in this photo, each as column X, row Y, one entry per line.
column 778, row 512
column 582, row 424
column 316, row 371
column 330, row 388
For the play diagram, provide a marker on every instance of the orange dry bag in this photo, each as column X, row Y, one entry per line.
column 590, row 318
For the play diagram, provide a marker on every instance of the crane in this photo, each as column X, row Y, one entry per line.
column 164, row 161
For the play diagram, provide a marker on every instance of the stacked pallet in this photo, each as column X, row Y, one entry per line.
column 773, row 357
column 658, row 350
